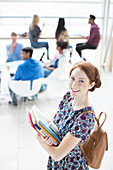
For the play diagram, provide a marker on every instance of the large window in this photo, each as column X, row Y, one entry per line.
column 16, row 16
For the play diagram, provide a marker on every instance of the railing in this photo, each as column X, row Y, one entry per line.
column 75, row 37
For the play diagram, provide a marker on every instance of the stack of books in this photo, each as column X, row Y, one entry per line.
column 42, row 125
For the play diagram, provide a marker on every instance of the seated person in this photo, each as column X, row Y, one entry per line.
column 62, row 33
column 14, row 49
column 29, row 70
column 92, row 40
column 34, row 35
column 60, row 46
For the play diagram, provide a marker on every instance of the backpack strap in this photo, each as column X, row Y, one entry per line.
column 90, row 111
column 97, row 119
column 104, row 118
column 82, row 149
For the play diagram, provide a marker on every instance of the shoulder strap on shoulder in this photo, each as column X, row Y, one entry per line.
column 90, row 111
column 97, row 119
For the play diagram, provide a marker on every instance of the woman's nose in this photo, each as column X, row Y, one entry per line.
column 74, row 84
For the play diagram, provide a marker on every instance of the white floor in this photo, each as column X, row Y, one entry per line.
column 19, row 149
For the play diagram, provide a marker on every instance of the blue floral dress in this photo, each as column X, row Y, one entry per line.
column 81, row 128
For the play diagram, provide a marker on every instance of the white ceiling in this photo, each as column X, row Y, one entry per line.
column 53, row 0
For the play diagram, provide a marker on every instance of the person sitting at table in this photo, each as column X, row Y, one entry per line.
column 14, row 49
column 92, row 40
column 34, row 35
column 29, row 70
column 62, row 34
column 60, row 46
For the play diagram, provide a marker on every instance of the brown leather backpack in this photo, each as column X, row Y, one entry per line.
column 94, row 148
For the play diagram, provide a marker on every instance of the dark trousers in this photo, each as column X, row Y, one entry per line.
column 83, row 46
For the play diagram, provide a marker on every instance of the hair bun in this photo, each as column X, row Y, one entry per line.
column 97, row 79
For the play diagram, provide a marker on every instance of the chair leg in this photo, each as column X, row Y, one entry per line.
column 42, row 56
column 36, row 95
column 25, row 98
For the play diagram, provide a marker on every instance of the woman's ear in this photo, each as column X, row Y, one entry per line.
column 92, row 85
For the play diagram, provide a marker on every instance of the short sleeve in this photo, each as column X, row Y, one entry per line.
column 83, row 125
column 37, row 29
column 66, row 98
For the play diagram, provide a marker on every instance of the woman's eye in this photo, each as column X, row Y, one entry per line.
column 81, row 81
column 72, row 78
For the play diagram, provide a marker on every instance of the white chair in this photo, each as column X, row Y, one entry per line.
column 62, row 62
column 5, row 78
column 23, row 88
column 94, row 55
column 7, row 69
column 62, row 72
column 89, row 55
column 68, row 51
column 38, row 52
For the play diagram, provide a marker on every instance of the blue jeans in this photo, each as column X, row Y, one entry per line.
column 41, row 45
column 47, row 72
column 43, row 87
column 70, row 46
column 13, row 96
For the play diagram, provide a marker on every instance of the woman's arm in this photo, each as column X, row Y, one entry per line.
column 41, row 30
column 39, row 34
column 50, row 68
column 59, row 152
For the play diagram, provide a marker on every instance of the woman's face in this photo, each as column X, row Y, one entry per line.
column 79, row 83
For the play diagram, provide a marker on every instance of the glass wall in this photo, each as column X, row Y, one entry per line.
column 16, row 16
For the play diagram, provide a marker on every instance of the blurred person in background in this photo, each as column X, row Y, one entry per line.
column 60, row 46
column 62, row 33
column 29, row 70
column 14, row 49
column 34, row 35
column 93, row 38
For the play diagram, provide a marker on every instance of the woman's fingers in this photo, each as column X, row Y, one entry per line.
column 38, row 136
column 46, row 140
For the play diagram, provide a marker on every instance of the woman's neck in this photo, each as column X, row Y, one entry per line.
column 60, row 51
column 79, row 103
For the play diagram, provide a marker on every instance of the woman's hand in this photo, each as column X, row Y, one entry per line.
column 43, row 24
column 44, row 66
column 46, row 140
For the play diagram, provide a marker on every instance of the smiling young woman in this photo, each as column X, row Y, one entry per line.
column 73, row 127
column 84, row 77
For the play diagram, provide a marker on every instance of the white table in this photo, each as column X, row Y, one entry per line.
column 7, row 69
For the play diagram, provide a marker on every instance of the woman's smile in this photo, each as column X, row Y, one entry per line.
column 75, row 91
